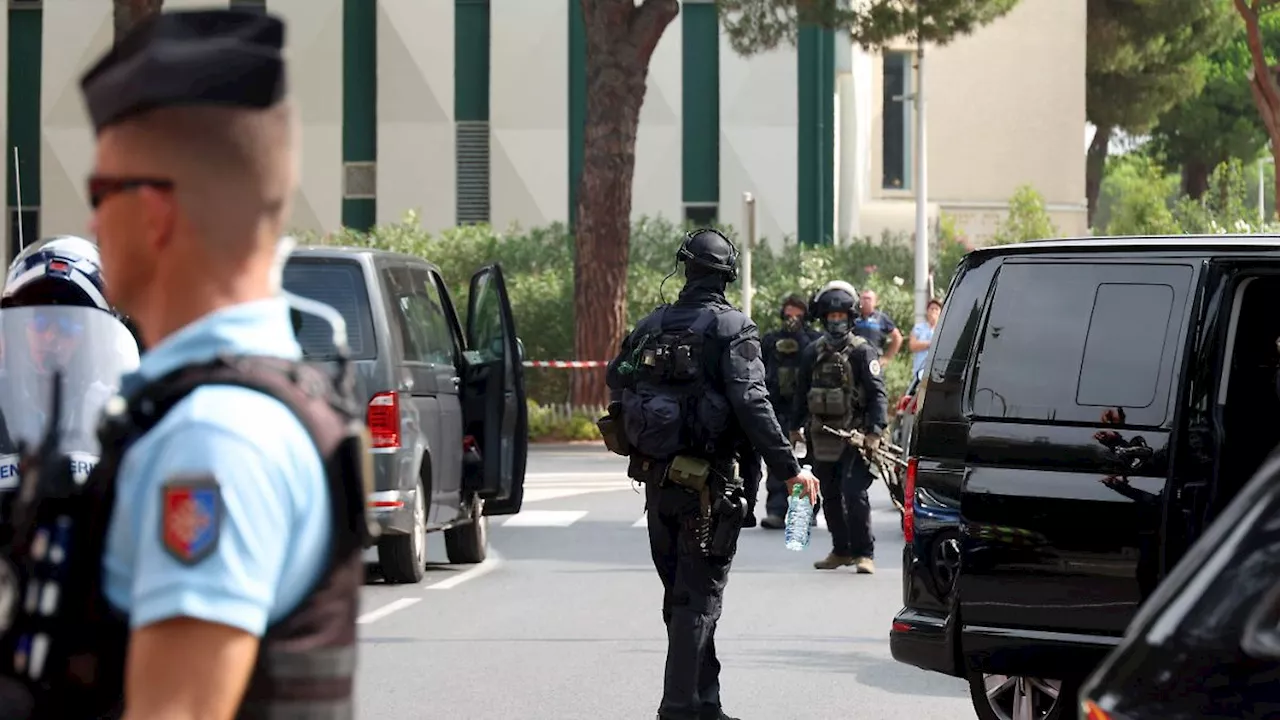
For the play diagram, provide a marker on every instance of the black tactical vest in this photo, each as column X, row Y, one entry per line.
column 306, row 661
column 787, row 349
column 668, row 407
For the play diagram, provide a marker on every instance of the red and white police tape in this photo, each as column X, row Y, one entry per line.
column 570, row 364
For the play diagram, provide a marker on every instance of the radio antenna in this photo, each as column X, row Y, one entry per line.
column 17, row 184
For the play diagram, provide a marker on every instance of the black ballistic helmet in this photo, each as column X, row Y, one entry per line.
column 707, row 248
column 834, row 296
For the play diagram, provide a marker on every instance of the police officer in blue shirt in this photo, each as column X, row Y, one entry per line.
column 235, row 475
column 877, row 328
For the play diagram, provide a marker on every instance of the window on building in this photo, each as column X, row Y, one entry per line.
column 701, row 215
column 1068, row 342
column 896, row 143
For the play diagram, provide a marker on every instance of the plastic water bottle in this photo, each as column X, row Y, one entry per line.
column 799, row 514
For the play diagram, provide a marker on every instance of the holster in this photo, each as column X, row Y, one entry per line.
column 727, row 514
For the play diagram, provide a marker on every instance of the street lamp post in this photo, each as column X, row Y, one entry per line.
column 922, row 192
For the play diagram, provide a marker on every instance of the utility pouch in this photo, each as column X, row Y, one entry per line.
column 729, row 513
column 689, row 472
column 613, row 431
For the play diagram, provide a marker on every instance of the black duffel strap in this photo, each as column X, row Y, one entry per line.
column 318, row 664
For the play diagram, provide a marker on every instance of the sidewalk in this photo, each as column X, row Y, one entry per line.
column 590, row 446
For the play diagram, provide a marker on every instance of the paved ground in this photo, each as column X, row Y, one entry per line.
column 565, row 624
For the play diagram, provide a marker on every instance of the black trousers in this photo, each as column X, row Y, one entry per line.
column 692, row 591
column 845, row 504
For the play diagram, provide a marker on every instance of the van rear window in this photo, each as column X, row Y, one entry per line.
column 340, row 285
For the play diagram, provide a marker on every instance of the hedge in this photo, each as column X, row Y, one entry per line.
column 538, row 266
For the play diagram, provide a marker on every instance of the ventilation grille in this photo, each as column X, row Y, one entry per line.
column 359, row 180
column 473, row 172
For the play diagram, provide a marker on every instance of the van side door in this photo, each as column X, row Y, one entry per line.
column 1071, row 405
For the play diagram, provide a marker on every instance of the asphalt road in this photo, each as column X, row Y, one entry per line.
column 564, row 623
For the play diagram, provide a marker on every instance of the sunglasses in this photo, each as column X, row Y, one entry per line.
column 102, row 187
column 60, row 323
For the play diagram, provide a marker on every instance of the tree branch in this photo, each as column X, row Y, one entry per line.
column 648, row 23
column 1262, row 78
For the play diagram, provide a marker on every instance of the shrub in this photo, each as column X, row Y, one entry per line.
column 561, row 424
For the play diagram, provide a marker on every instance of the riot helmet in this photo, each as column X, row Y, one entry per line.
column 834, row 306
column 792, row 322
column 705, row 252
column 61, row 270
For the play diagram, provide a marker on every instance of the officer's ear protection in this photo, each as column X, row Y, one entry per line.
column 729, row 269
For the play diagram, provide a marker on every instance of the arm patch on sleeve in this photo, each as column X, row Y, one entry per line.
column 874, row 367
column 191, row 517
column 747, row 350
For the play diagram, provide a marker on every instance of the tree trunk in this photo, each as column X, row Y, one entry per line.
column 129, row 12
column 620, row 38
column 1195, row 178
column 1262, row 82
column 1094, row 166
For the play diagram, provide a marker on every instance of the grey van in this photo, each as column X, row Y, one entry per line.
column 446, row 402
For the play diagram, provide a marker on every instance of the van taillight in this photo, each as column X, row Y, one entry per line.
column 909, row 502
column 903, row 403
column 384, row 420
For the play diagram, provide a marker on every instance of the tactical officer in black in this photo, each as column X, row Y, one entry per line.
column 781, row 349
column 687, row 387
column 840, row 386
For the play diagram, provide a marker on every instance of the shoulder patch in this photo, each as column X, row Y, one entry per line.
column 191, row 517
column 874, row 367
column 747, row 350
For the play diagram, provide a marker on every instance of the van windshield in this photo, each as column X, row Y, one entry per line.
column 339, row 284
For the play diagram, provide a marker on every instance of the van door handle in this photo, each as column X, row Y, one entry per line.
column 456, row 380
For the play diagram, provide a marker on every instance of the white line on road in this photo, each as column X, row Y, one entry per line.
column 642, row 522
column 489, row 565
column 545, row 518
column 566, row 475
column 385, row 610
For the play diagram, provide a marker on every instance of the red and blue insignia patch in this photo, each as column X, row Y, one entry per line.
column 191, row 518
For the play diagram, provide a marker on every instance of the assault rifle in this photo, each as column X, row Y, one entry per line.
column 889, row 460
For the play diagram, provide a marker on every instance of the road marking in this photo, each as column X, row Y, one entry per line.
column 545, row 518
column 489, row 565
column 642, row 522
column 607, row 474
column 539, row 494
column 385, row 610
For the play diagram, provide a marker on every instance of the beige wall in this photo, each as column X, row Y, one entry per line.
column 657, row 188
column 416, row 140
column 1005, row 107
column 313, row 51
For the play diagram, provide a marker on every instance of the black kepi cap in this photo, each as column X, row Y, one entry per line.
column 230, row 58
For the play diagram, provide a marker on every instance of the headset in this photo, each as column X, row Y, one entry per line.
column 728, row 269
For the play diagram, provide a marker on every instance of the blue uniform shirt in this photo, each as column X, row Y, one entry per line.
column 171, row 552
column 874, row 328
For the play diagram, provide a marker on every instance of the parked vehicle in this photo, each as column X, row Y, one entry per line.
column 905, row 413
column 1089, row 406
column 1206, row 646
column 446, row 405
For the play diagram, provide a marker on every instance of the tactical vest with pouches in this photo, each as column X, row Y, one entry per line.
column 786, row 354
column 669, row 409
column 834, row 398
column 306, row 661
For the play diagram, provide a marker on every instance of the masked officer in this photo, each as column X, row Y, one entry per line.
column 782, row 349
column 688, row 386
column 229, row 504
column 840, row 386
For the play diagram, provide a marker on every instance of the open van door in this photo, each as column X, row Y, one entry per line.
column 494, row 394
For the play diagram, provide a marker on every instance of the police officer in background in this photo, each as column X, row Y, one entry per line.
column 688, row 386
column 840, row 386
column 233, row 474
column 782, row 349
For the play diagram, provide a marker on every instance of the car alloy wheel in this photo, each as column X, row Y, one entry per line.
column 1021, row 698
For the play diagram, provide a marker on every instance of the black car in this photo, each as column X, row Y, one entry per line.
column 1206, row 646
column 1089, row 407
column 446, row 403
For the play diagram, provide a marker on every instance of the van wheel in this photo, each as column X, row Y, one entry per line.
column 1011, row 697
column 468, row 544
column 404, row 557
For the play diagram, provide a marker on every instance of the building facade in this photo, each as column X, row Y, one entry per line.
column 473, row 111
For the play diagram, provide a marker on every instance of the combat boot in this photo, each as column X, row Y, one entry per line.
column 772, row 522
column 833, row 561
column 864, row 565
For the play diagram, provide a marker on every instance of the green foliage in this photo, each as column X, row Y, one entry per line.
column 951, row 249
column 552, row 424
column 1221, row 122
column 1147, row 56
column 755, row 26
column 1027, row 219
column 1141, row 199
